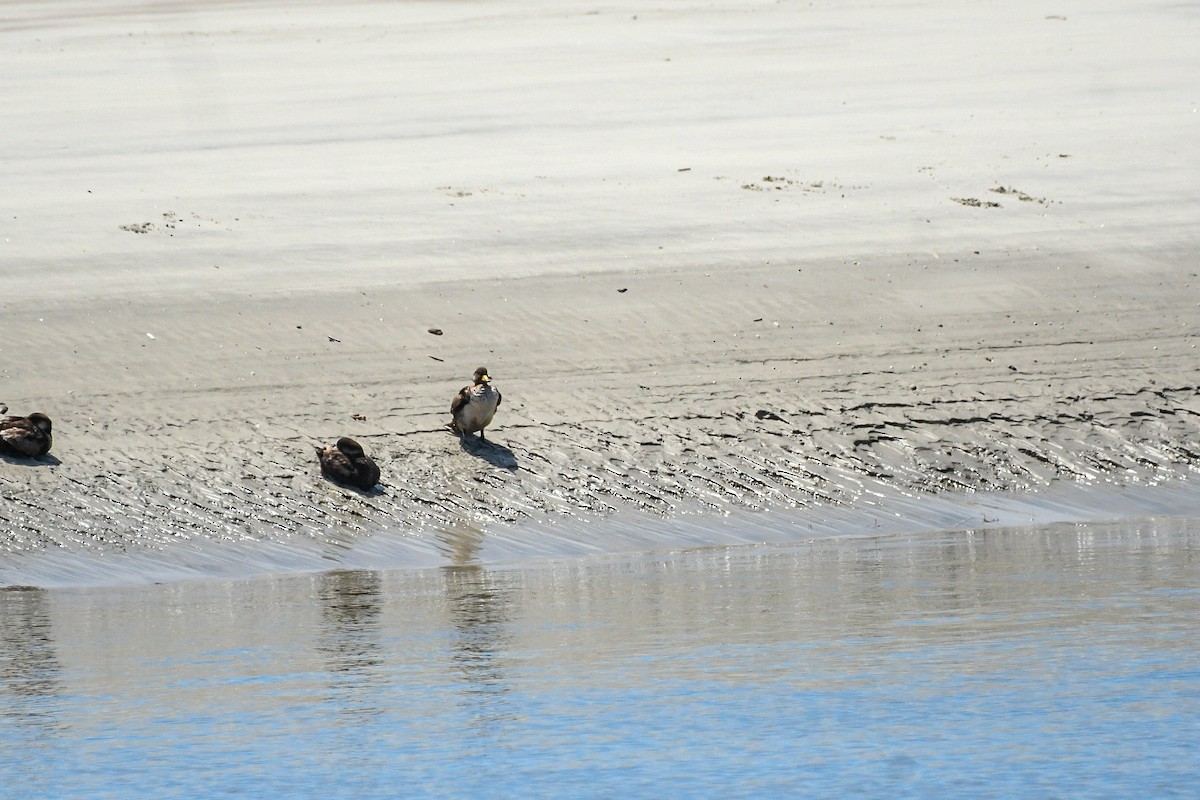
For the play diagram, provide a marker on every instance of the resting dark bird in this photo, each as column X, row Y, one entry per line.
column 473, row 408
column 27, row 437
column 346, row 463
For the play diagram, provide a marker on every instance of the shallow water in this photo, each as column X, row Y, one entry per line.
column 1058, row 660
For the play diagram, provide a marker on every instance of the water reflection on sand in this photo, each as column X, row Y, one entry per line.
column 28, row 665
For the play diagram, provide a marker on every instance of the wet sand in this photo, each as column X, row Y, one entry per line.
column 719, row 258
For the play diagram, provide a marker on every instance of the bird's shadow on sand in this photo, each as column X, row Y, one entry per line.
column 378, row 490
column 495, row 454
column 41, row 461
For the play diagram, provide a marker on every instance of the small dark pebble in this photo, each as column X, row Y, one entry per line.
column 622, row 291
column 436, row 331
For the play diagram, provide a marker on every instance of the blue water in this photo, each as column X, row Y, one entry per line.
column 1056, row 661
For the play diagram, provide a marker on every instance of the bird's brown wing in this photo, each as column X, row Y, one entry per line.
column 335, row 465
column 9, row 435
column 19, row 439
column 460, row 400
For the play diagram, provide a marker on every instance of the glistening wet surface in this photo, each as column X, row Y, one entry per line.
column 1060, row 660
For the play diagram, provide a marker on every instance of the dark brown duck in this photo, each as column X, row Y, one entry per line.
column 348, row 464
column 25, row 437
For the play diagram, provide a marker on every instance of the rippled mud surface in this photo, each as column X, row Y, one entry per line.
column 702, row 452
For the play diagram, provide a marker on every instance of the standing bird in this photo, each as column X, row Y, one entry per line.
column 346, row 463
column 473, row 408
column 27, row 437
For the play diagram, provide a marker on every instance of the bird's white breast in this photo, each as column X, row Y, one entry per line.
column 480, row 408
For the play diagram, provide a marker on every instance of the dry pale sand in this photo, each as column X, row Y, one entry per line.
column 718, row 255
